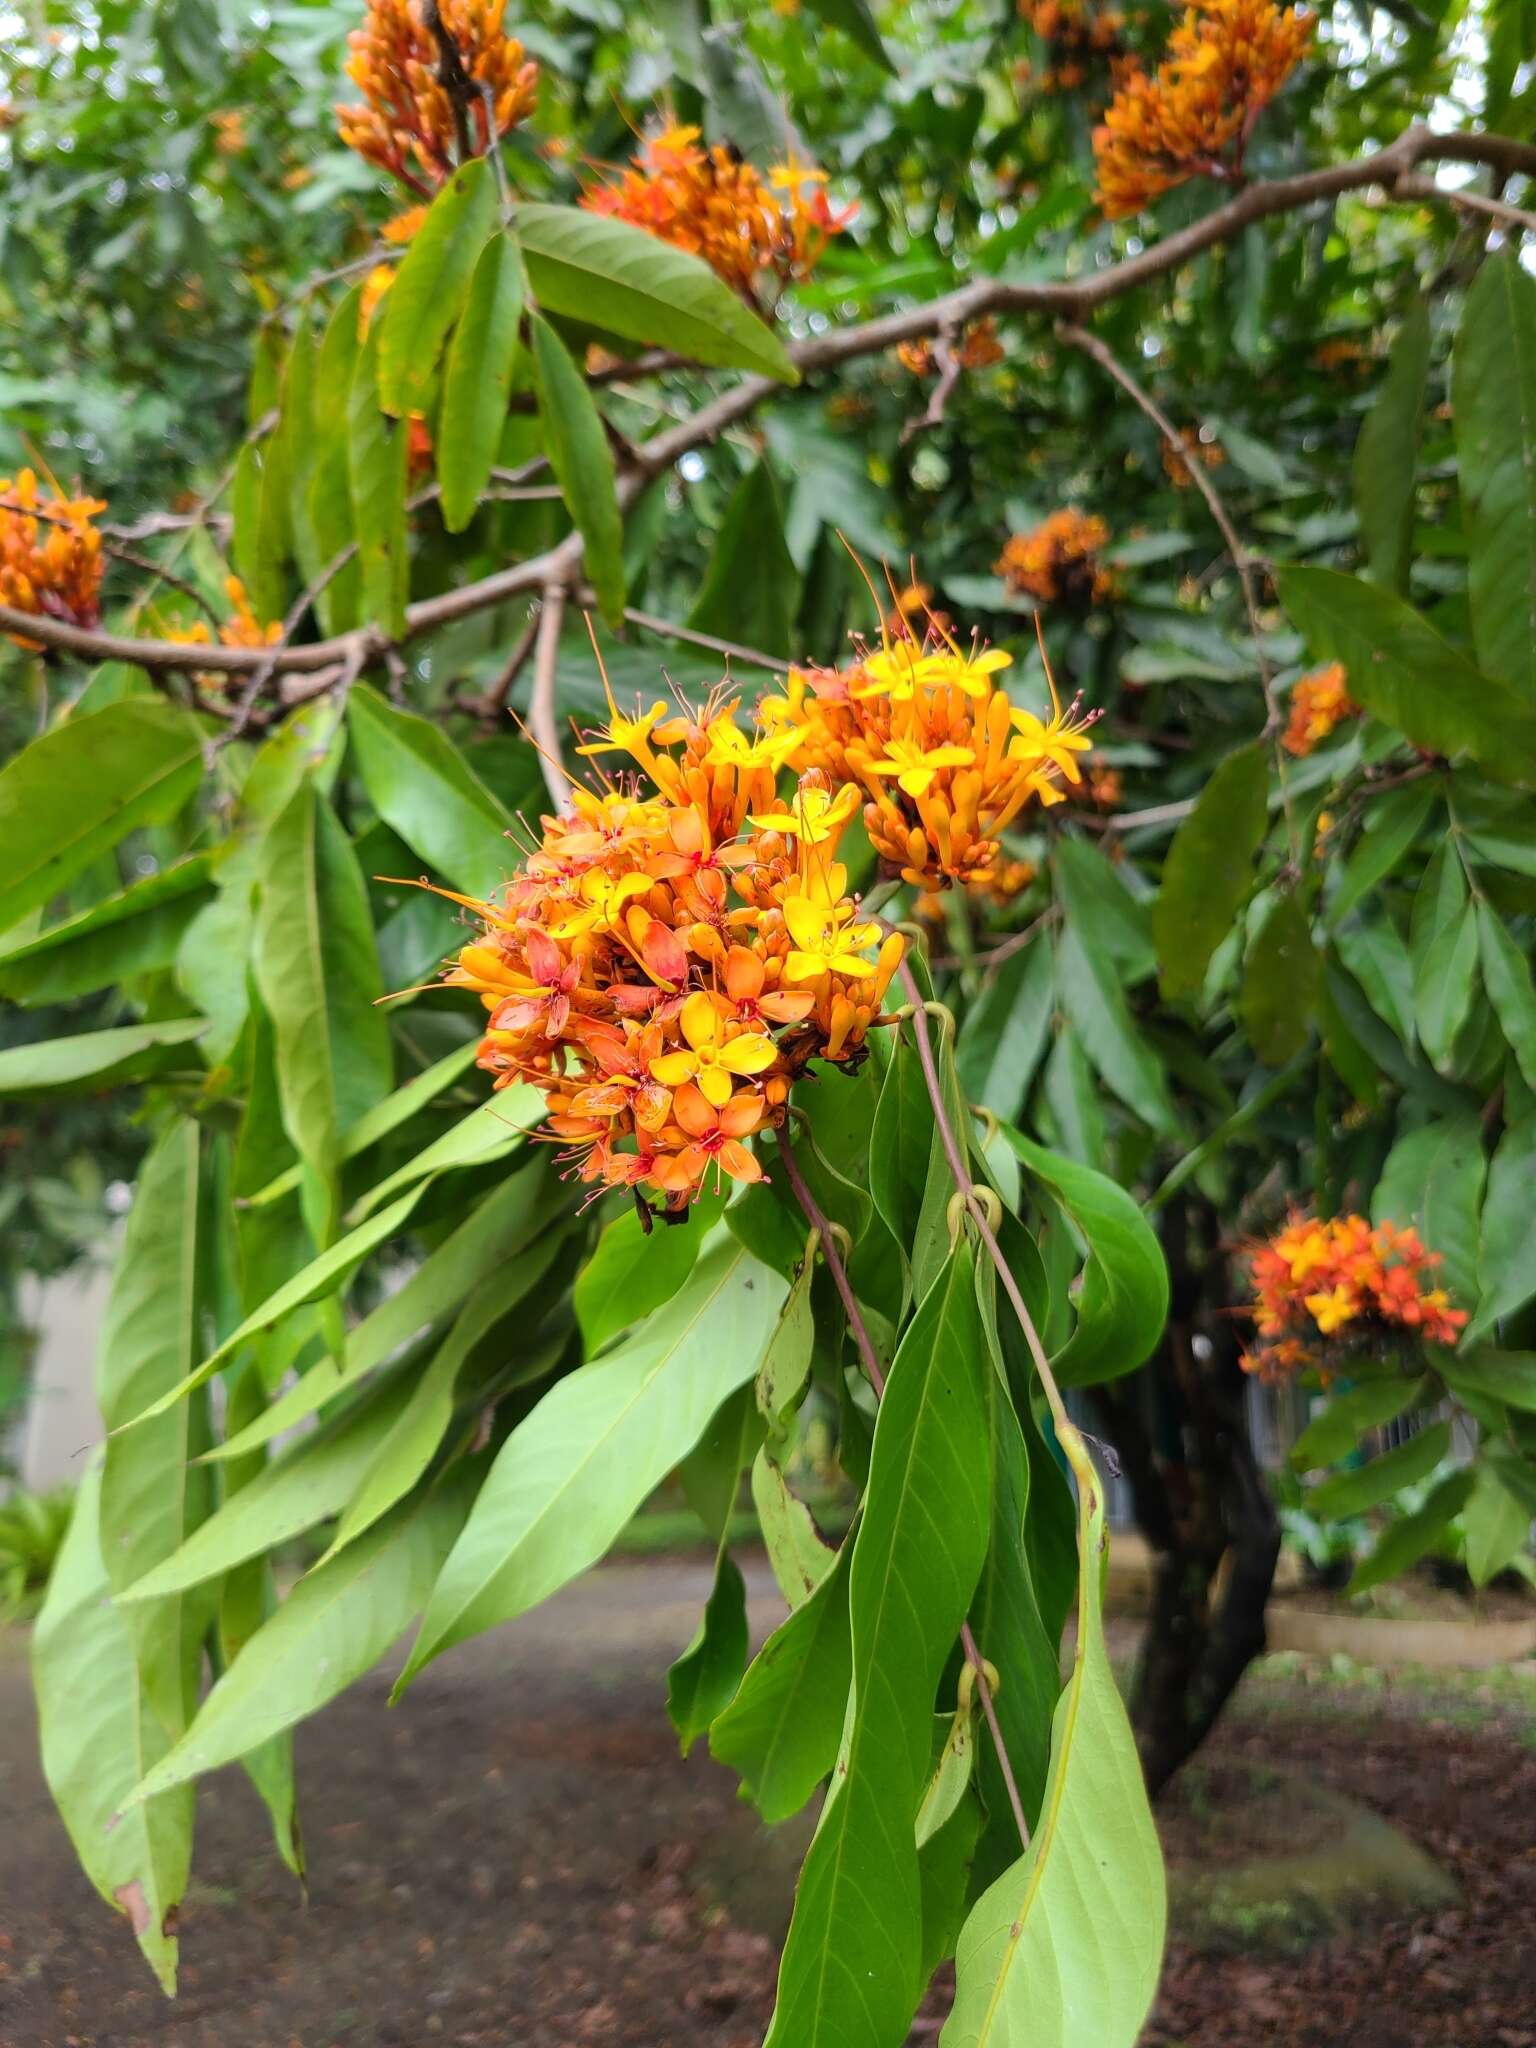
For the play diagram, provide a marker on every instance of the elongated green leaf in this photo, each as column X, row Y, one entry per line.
column 1094, row 1001
column 1387, row 452
column 1433, row 1180
column 1334, row 1434
column 608, row 274
column 318, row 971
column 1507, row 978
column 781, row 1731
column 1497, row 1526
column 1109, row 919
column 99, row 1737
column 74, row 793
column 851, row 1965
column 1124, row 1299
column 1209, row 870
column 856, row 21
column 1403, row 1542
column 378, row 454
column 335, row 1625
column 703, row 1681
column 1065, row 1948
column 431, row 285
column 327, row 523
column 582, row 462
column 1351, row 1493
column 1493, row 395
column 100, row 1059
column 901, row 1143
column 1282, row 974
column 1005, row 1031
column 796, row 1551
column 571, row 1475
column 477, row 383
column 630, row 1275
column 424, row 789
column 1408, row 676
column 751, row 586
column 1392, row 823
column 786, row 1367
column 493, row 1130
column 132, row 933
column 1507, row 1376
column 1443, row 947
column 1506, row 1259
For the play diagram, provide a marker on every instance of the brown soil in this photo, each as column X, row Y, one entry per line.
column 517, row 1858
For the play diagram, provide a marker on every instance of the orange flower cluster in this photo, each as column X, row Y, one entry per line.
column 241, row 629
column 50, row 553
column 714, row 204
column 1076, row 32
column 406, row 123
column 977, row 349
column 1319, row 702
column 1225, row 62
column 664, row 965
column 1178, row 462
column 1058, row 560
column 995, row 888
column 1324, row 1288
column 946, row 759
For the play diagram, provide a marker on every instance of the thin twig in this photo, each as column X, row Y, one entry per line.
column 732, row 649
column 541, row 705
column 947, row 355
column 994, row 959
column 871, row 1360
column 490, row 707
column 1470, row 202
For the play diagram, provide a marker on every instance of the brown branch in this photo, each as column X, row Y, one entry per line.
column 490, row 707
column 731, row 649
column 542, row 724
column 1470, row 202
column 1067, row 299
column 451, row 76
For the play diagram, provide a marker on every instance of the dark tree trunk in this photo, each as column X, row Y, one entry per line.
column 1201, row 1502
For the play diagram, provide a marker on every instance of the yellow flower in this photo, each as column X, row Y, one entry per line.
column 827, row 940
column 603, row 901
column 729, row 747
column 914, row 767
column 1055, row 742
column 624, row 735
column 968, row 672
column 1330, row 1311
column 709, row 1059
column 813, row 817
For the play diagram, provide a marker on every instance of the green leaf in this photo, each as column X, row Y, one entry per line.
column 431, row 285
column 1282, row 974
column 335, row 1625
column 1005, row 1031
column 570, row 1476
column 631, row 1274
column 1493, row 396
column 1443, row 948
column 1123, row 1303
column 1387, row 451
column 328, row 493
column 1392, row 824
column 1497, row 1527
column 72, row 794
column 1506, row 976
column 850, row 1970
column 799, row 1557
column 751, row 586
column 477, row 383
column 492, row 1130
column 1065, row 1948
column 901, row 1143
column 786, row 1368
column 1372, row 949
column 1109, row 919
column 582, row 461
column 135, row 932
column 1506, row 1256
column 857, row 22
column 1433, row 1180
column 781, row 1731
column 1351, row 1493
column 610, row 275
column 423, row 788
column 1209, row 870
column 1404, row 673
column 99, row 1059
column 703, row 1681
column 1334, row 1433
column 1090, row 994
column 99, row 1738
column 318, row 972
column 1507, row 1376
column 378, row 455
column 1403, row 1542
column 950, row 1778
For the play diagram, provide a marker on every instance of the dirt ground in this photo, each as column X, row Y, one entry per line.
column 518, row 1858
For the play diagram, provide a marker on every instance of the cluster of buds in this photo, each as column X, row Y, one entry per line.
column 1059, row 561
column 1225, row 62
column 978, row 348
column 712, row 203
column 50, row 553
column 416, row 119
column 1079, row 35
column 1319, row 702
column 673, row 954
column 1326, row 1290
column 1179, row 463
column 944, row 756
column 241, row 629
column 996, row 888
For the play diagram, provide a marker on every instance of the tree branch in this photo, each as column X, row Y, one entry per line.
column 542, row 724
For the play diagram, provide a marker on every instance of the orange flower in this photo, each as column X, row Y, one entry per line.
column 1322, row 1290
column 50, row 553
column 407, row 123
column 1319, row 702
column 1058, row 560
column 1226, row 61
column 1191, row 449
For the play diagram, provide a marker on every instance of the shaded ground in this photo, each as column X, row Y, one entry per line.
column 517, row 1858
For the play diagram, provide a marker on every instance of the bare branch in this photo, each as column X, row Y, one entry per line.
column 731, row 649
column 1470, row 202
column 542, row 723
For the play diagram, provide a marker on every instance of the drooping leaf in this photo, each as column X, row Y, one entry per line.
column 1392, row 824
column 582, row 461
column 328, row 520
column 378, row 455
column 100, row 1059
column 751, row 584
column 1093, row 999
column 72, row 794
column 1387, row 451
column 133, row 933
column 799, row 1557
column 1443, row 947
column 431, row 284
column 1209, row 870
column 1506, row 1255
column 630, row 1275
column 423, row 788
column 1403, row 1542
column 703, row 1681
column 1334, row 1433
column 1005, row 1031
column 571, row 1475
column 1282, row 974
column 1497, row 1526
column 1505, row 1376
column 1352, row 1493
column 1065, row 1947
column 614, row 276
column 1493, row 395
column 477, row 383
